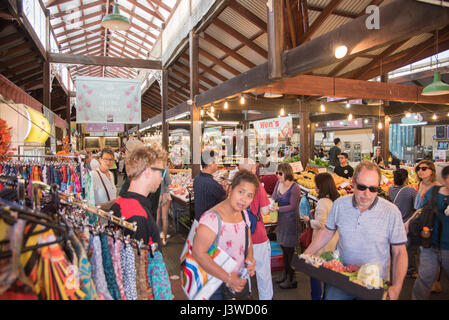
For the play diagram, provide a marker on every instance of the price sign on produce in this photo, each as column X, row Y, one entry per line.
column 297, row 166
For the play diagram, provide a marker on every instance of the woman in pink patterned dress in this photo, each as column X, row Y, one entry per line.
column 232, row 234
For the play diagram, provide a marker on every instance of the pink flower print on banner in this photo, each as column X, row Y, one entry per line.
column 80, row 97
column 129, row 105
column 131, row 118
column 136, row 99
column 131, row 89
column 127, row 93
column 84, row 86
column 89, row 91
column 80, row 109
column 86, row 118
column 228, row 244
column 88, row 104
column 136, row 109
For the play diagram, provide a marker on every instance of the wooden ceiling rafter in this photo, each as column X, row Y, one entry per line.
column 139, row 17
column 206, row 69
column 154, row 14
column 79, row 36
column 52, row 3
column 23, row 47
column 218, row 61
column 230, row 52
column 140, row 45
column 61, row 14
column 202, row 78
column 319, row 21
column 83, row 18
column 240, row 37
column 244, row 12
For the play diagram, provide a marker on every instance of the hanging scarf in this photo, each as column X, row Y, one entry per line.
column 109, row 269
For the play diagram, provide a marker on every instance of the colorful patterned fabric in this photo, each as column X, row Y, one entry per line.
column 108, row 268
column 158, row 277
column 141, row 278
column 84, row 270
column 129, row 272
column 49, row 269
column 115, row 249
column 97, row 269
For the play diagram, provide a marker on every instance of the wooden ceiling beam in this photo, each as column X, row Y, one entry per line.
column 11, row 61
column 228, row 51
column 335, row 12
column 160, row 4
column 349, row 88
column 84, row 27
column 52, row 3
column 319, row 21
column 81, row 8
column 237, row 35
column 124, row 43
column 202, row 78
column 83, row 18
column 244, row 12
column 206, row 69
column 145, row 46
column 149, row 11
column 139, row 17
column 218, row 62
column 15, row 49
column 104, row 61
column 79, row 36
column 11, row 38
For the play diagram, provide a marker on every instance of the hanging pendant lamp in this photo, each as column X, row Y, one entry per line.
column 115, row 20
column 437, row 87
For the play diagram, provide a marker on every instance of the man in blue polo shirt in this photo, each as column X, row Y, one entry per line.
column 206, row 190
column 367, row 226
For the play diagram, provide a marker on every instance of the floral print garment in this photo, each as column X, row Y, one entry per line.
column 232, row 236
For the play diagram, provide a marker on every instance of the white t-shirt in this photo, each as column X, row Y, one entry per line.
column 94, row 164
column 99, row 191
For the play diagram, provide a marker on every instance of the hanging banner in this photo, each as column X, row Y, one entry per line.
column 108, row 100
column 101, row 127
column 281, row 127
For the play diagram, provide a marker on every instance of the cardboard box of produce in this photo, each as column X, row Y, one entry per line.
column 337, row 280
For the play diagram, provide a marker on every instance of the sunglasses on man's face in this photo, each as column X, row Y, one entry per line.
column 422, row 168
column 162, row 171
column 280, row 173
column 362, row 187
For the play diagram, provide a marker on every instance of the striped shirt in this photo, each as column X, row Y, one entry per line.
column 365, row 237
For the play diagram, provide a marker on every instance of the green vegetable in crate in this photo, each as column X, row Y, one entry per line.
column 328, row 256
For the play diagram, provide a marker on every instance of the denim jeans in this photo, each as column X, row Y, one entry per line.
column 315, row 289
column 430, row 259
column 332, row 293
column 412, row 252
column 217, row 295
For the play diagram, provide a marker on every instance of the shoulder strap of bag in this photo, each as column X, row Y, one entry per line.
column 394, row 201
column 219, row 227
column 246, row 234
column 106, row 189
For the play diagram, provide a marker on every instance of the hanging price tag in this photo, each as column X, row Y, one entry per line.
column 322, row 170
column 344, row 184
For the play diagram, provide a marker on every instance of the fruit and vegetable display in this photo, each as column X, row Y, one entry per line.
column 306, row 179
column 318, row 163
column 273, row 216
column 388, row 179
column 293, row 159
column 367, row 275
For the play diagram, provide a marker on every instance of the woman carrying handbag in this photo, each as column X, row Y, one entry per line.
column 235, row 238
column 327, row 194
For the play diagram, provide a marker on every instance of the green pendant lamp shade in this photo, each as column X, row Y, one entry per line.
column 437, row 87
column 115, row 20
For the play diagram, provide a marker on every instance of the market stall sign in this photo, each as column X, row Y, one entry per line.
column 108, row 100
column 281, row 127
column 104, row 127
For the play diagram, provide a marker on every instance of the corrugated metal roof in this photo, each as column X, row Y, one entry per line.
column 239, row 24
column 258, row 7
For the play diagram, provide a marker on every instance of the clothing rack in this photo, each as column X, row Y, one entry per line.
column 79, row 160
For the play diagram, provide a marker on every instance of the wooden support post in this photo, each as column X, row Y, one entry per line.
column 164, row 108
column 46, row 85
column 275, row 14
column 245, row 138
column 311, row 139
column 195, row 132
column 68, row 118
column 304, row 140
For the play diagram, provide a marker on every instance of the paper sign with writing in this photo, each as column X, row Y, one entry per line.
column 297, row 166
column 108, row 100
